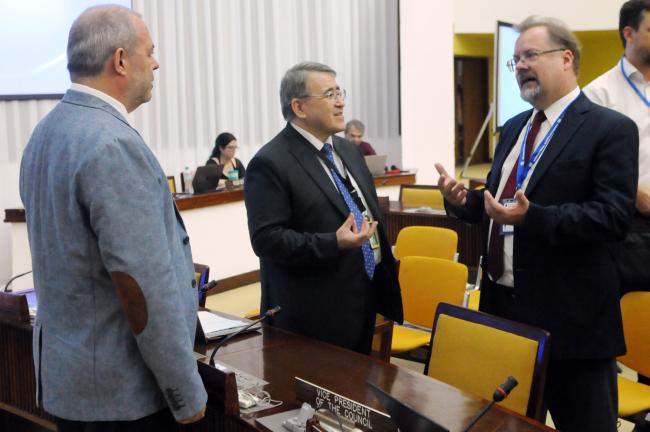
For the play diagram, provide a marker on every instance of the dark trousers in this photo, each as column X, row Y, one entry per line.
column 162, row 421
column 582, row 394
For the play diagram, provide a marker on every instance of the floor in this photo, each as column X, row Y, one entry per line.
column 244, row 300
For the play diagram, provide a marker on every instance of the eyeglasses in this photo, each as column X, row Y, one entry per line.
column 529, row 57
column 330, row 95
column 229, row 147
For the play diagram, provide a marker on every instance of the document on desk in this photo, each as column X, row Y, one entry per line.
column 215, row 326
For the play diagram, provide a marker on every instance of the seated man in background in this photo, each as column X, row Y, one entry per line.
column 354, row 131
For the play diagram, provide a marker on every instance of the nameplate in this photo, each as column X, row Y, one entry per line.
column 364, row 417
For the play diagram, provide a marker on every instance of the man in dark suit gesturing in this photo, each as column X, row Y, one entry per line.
column 560, row 193
column 315, row 222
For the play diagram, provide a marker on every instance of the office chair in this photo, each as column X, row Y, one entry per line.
column 425, row 282
column 634, row 397
column 421, row 196
column 426, row 241
column 475, row 352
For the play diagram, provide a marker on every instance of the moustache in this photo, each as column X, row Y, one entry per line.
column 525, row 77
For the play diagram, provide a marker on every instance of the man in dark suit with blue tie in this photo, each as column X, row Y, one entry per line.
column 560, row 194
column 315, row 222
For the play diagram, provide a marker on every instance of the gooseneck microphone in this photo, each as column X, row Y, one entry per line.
column 500, row 394
column 7, row 289
column 267, row 314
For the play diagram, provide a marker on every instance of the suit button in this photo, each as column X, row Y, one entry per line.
column 186, row 240
column 193, row 283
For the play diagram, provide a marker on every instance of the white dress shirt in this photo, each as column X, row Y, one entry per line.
column 613, row 91
column 552, row 113
column 341, row 168
column 119, row 106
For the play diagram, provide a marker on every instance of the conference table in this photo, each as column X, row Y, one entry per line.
column 277, row 356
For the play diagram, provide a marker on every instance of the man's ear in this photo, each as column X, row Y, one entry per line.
column 568, row 59
column 120, row 61
column 628, row 34
column 297, row 107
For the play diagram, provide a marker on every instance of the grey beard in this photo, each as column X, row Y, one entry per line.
column 529, row 94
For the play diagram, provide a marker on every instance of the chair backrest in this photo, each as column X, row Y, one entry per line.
column 171, row 181
column 202, row 276
column 427, row 241
column 635, row 308
column 421, row 196
column 425, row 282
column 476, row 352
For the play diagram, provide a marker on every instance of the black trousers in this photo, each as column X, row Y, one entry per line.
column 581, row 394
column 161, row 421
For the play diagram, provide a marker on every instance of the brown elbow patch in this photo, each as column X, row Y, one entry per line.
column 132, row 299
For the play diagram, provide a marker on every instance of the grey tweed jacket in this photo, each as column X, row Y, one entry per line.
column 113, row 272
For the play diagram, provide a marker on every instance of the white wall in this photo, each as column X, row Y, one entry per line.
column 427, row 98
column 479, row 16
column 221, row 65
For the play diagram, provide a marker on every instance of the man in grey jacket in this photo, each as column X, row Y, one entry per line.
column 112, row 263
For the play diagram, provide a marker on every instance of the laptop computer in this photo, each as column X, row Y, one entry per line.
column 376, row 164
column 405, row 417
column 206, row 178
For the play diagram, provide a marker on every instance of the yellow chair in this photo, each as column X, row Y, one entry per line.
column 476, row 352
column 634, row 397
column 425, row 282
column 171, row 181
column 421, row 196
column 426, row 241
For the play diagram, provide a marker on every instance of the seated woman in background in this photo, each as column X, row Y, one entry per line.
column 224, row 154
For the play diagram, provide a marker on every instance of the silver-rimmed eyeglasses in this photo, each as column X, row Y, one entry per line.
column 331, row 95
column 529, row 57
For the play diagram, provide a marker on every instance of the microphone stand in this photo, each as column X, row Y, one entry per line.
column 268, row 313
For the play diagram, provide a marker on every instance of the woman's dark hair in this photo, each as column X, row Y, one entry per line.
column 223, row 139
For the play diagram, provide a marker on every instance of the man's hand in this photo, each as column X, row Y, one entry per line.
column 347, row 236
column 196, row 417
column 643, row 199
column 453, row 191
column 513, row 215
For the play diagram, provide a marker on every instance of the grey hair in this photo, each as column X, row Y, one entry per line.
column 559, row 34
column 294, row 84
column 355, row 124
column 95, row 35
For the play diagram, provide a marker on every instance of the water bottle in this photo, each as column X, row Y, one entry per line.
column 187, row 180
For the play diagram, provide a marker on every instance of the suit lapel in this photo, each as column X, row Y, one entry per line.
column 305, row 154
column 570, row 124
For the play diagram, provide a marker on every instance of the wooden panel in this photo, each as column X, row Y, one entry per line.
column 469, row 235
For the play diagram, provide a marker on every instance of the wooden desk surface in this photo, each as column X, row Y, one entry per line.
column 277, row 357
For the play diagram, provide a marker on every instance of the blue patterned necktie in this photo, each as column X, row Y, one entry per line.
column 368, row 256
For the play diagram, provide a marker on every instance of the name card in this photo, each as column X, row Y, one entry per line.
column 364, row 417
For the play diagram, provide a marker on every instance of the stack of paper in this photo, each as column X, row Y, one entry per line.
column 215, row 326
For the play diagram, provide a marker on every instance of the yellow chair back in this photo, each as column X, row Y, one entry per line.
column 435, row 242
column 635, row 309
column 425, row 282
column 422, row 197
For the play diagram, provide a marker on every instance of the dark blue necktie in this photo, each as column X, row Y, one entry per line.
column 368, row 256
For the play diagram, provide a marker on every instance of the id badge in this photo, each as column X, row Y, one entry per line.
column 508, row 229
column 374, row 240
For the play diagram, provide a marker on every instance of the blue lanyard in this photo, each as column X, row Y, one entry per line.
column 523, row 168
column 636, row 90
